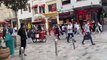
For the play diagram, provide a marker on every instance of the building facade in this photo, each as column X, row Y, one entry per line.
column 38, row 10
column 25, row 15
column 80, row 10
column 51, row 13
column 6, row 14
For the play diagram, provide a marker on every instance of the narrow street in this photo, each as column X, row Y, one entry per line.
column 46, row 51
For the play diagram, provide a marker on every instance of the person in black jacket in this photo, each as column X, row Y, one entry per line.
column 22, row 34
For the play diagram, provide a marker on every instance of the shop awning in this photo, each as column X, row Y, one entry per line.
column 3, row 22
column 42, row 5
column 39, row 18
column 66, row 15
column 38, row 21
column 36, row 5
column 51, row 13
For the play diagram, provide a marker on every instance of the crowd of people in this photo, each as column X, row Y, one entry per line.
column 73, row 28
column 68, row 29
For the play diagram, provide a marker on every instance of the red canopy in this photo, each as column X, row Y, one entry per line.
column 43, row 5
column 36, row 5
column 3, row 22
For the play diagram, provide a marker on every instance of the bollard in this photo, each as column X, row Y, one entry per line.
column 22, row 53
column 73, row 41
column 56, row 52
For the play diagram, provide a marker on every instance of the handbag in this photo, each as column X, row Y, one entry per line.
column 86, row 37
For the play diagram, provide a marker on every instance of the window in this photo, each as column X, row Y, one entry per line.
column 64, row 2
column 52, row 7
column 36, row 10
column 42, row 9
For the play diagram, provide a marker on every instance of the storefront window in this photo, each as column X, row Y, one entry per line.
column 52, row 7
column 35, row 9
column 64, row 2
column 42, row 9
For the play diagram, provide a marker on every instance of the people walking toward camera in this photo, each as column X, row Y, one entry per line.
column 98, row 27
column 76, row 28
column 57, row 32
column 70, row 31
column 87, row 33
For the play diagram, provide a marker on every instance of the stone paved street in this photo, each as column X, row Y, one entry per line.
column 46, row 51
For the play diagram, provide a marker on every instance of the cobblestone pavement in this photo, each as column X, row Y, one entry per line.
column 46, row 51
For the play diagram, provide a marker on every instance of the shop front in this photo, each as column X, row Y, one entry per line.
column 66, row 16
column 39, row 22
column 27, row 22
column 52, row 18
column 89, row 14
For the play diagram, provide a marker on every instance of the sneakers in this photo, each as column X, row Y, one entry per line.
column 93, row 44
column 25, row 55
column 82, row 43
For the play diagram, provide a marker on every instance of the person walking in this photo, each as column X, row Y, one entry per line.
column 57, row 32
column 22, row 34
column 87, row 33
column 70, row 31
column 76, row 28
column 9, row 40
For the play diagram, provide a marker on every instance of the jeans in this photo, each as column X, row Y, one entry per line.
column 69, row 34
column 23, row 44
column 87, row 36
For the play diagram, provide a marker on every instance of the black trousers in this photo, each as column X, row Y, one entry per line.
column 87, row 36
column 69, row 34
column 23, row 44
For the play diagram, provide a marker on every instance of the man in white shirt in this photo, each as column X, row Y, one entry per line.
column 70, row 31
column 76, row 28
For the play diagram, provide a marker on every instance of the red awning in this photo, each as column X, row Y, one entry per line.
column 3, row 22
column 82, row 11
column 34, row 6
column 38, row 21
column 93, row 10
column 42, row 5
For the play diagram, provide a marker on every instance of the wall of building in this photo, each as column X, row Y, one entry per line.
column 76, row 4
column 6, row 13
column 86, row 3
column 24, row 14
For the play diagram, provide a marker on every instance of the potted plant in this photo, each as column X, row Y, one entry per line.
column 4, row 51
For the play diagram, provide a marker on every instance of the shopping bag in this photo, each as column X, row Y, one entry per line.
column 37, row 35
column 86, row 37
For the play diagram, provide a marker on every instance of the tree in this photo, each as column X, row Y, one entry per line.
column 15, row 5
